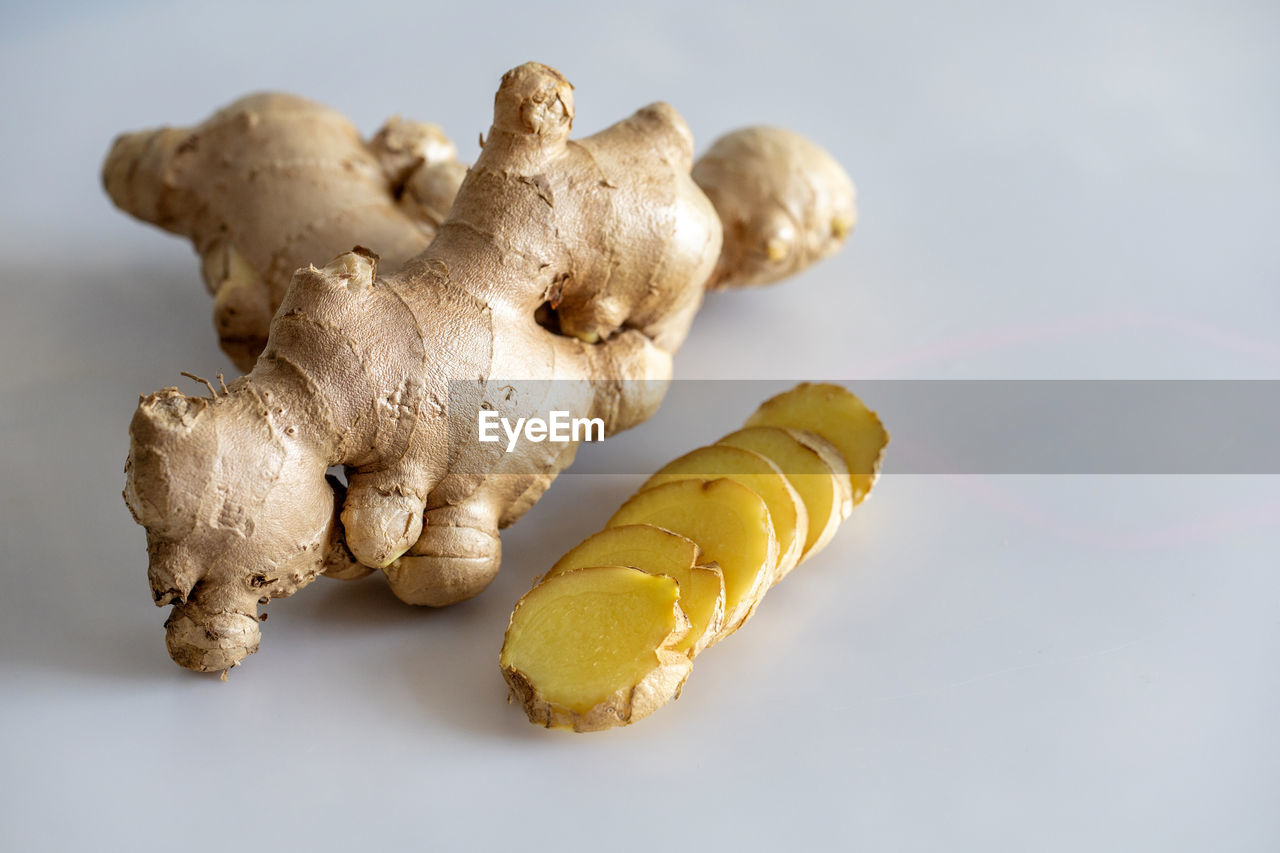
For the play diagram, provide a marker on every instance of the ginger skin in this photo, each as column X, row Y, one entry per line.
column 273, row 182
column 785, row 203
column 371, row 373
column 578, row 261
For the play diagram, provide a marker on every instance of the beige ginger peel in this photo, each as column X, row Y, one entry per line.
column 272, row 183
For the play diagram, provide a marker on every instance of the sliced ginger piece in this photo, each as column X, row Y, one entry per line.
column 595, row 648
column 659, row 552
column 731, row 525
column 834, row 459
column 813, row 467
column 786, row 508
column 838, row 416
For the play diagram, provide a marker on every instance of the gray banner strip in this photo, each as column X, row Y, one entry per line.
column 1002, row 426
column 1079, row 427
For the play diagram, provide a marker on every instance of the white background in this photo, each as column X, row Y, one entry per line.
column 1066, row 190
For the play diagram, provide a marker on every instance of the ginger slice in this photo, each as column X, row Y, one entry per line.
column 814, row 468
column 841, row 418
column 755, row 471
column 731, row 525
column 596, row 647
column 833, row 458
column 659, row 552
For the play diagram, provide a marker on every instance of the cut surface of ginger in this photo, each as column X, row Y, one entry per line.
column 594, row 648
column 659, row 552
column 837, row 415
column 813, row 467
column 731, row 525
column 755, row 471
column 835, row 459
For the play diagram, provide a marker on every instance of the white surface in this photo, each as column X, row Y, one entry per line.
column 1021, row 663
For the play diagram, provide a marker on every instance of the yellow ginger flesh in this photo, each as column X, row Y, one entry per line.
column 838, row 416
column 786, row 511
column 659, row 552
column 817, row 473
column 592, row 648
column 731, row 525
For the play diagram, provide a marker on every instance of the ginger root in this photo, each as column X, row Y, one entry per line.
column 564, row 277
column 724, row 518
column 274, row 182
column 785, row 203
